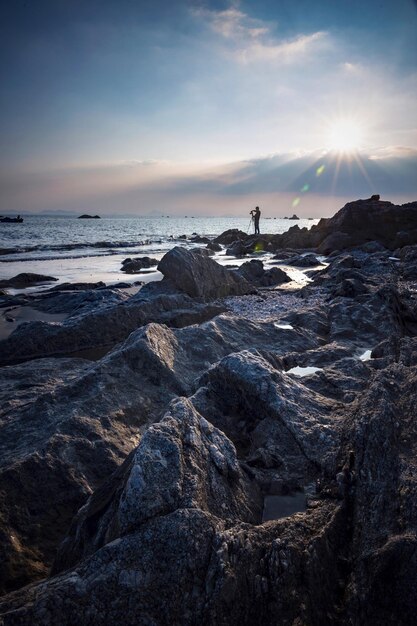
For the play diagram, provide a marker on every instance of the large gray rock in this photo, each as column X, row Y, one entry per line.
column 201, row 277
column 181, row 462
column 86, row 417
column 106, row 327
column 127, row 548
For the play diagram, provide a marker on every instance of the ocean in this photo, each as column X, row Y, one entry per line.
column 85, row 250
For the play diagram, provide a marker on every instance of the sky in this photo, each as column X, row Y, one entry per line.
column 206, row 107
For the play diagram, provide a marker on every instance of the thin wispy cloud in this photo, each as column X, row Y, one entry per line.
column 252, row 40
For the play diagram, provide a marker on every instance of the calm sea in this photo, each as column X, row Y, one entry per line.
column 83, row 250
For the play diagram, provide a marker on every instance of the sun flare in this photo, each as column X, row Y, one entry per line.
column 345, row 135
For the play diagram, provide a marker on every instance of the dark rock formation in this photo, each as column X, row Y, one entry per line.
column 75, row 441
column 201, row 277
column 216, row 247
column 173, row 523
column 230, row 236
column 253, row 271
column 303, row 260
column 133, row 266
column 88, row 217
column 171, row 442
column 77, row 286
column 368, row 220
column 26, row 280
column 199, row 239
column 155, row 302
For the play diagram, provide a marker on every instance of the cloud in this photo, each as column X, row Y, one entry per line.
column 251, row 40
column 390, row 152
column 322, row 182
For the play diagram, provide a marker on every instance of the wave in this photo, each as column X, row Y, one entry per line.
column 78, row 246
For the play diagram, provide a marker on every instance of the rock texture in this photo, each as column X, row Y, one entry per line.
column 74, row 441
column 105, row 327
column 201, row 277
column 155, row 463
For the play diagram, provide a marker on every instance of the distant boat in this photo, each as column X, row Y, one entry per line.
column 12, row 220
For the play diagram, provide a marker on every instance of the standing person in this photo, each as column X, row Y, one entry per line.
column 256, row 214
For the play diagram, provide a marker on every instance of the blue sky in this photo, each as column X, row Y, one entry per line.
column 137, row 106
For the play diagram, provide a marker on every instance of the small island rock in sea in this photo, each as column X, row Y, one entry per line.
column 219, row 447
column 89, row 217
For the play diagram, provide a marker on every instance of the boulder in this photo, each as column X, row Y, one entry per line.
column 21, row 281
column 304, row 260
column 253, row 271
column 215, row 247
column 201, row 277
column 133, row 266
column 237, row 249
column 230, row 236
column 199, row 239
column 335, row 241
column 183, row 462
column 370, row 220
column 350, row 288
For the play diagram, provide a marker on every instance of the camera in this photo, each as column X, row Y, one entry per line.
column 252, row 212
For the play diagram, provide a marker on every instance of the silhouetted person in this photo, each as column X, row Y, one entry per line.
column 256, row 214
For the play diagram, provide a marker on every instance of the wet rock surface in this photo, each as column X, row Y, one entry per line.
column 26, row 280
column 141, row 479
column 133, row 266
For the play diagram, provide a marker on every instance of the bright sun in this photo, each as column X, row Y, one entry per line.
column 345, row 135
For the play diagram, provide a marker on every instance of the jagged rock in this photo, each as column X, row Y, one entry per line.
column 155, row 302
column 85, row 418
column 367, row 220
column 133, row 266
column 253, row 271
column 26, row 280
column 78, row 302
column 183, row 462
column 201, row 277
column 335, row 241
column 276, row 409
column 303, row 260
column 350, row 288
column 154, row 544
column 371, row 247
column 229, row 236
column 237, row 249
column 216, row 247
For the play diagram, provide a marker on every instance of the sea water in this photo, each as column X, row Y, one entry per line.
column 72, row 249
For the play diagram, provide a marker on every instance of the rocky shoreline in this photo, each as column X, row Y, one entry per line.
column 234, row 452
